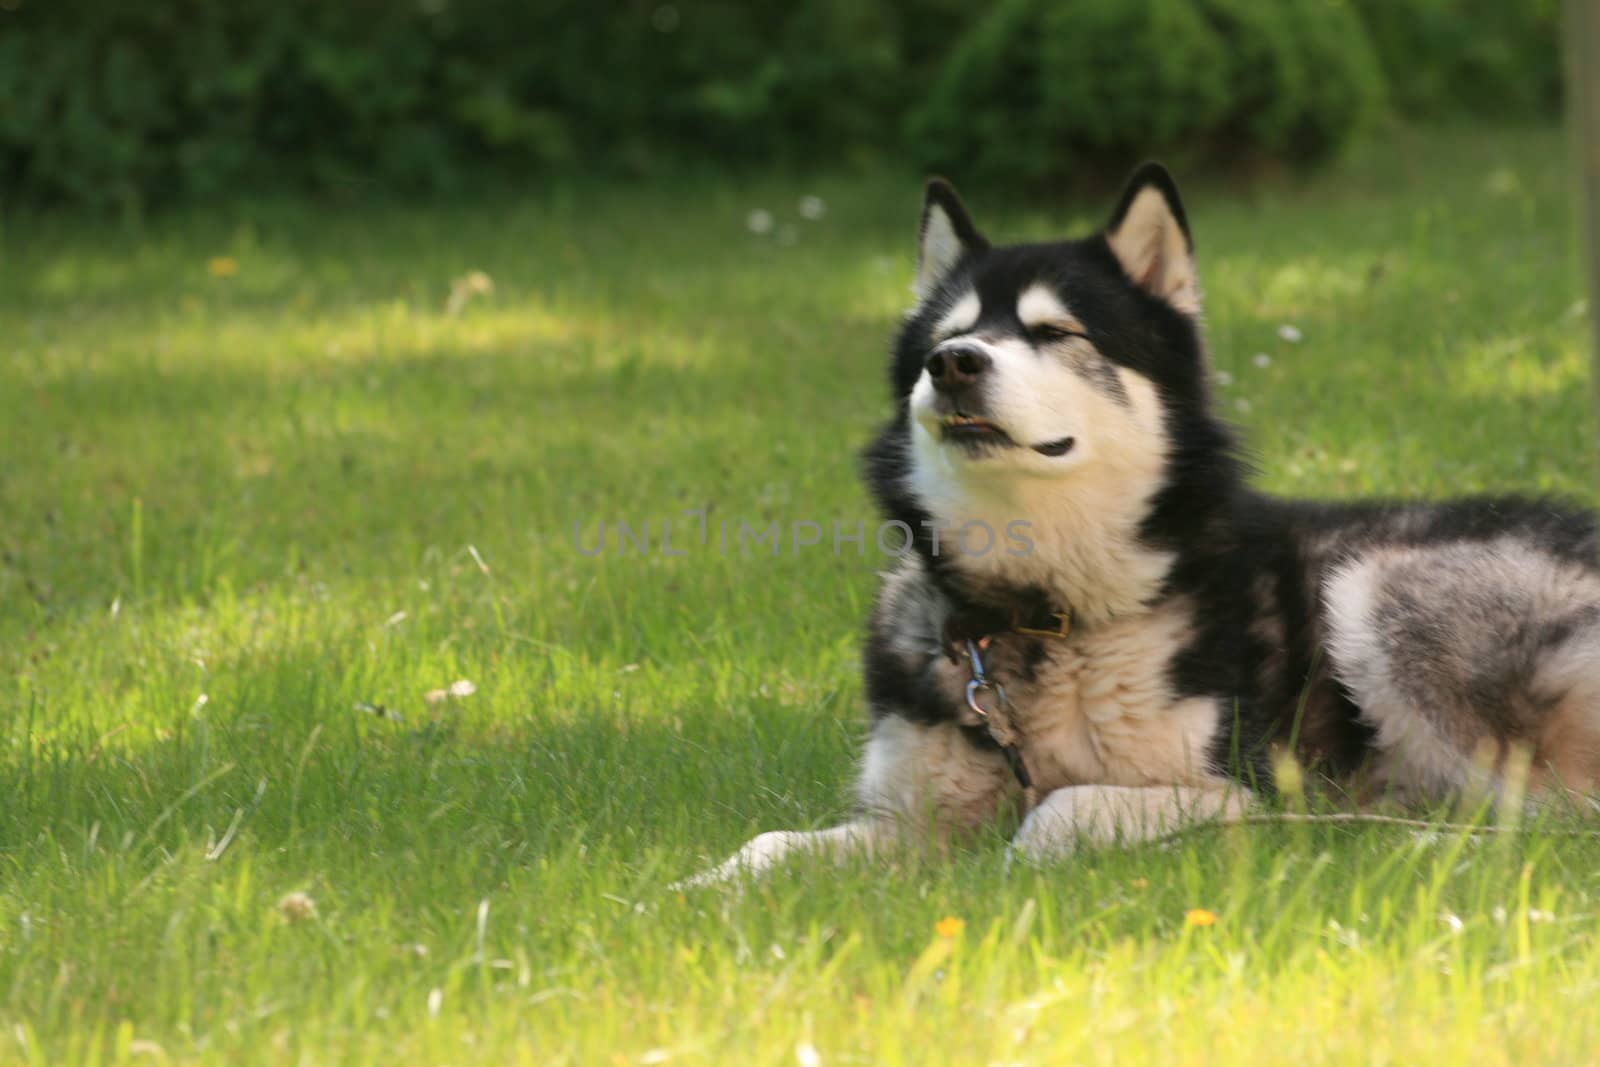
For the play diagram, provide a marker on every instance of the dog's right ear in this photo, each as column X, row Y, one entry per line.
column 1149, row 235
column 947, row 235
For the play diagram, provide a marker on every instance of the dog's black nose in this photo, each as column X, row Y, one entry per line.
column 957, row 366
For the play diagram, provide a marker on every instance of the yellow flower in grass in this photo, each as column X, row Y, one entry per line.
column 1199, row 917
column 950, row 926
column 222, row 266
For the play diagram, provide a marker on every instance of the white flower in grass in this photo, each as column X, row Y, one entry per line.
column 456, row 690
column 1261, row 360
column 759, row 222
column 812, row 208
column 297, row 907
column 1224, row 379
column 1242, row 406
column 1290, row 333
column 806, row 1055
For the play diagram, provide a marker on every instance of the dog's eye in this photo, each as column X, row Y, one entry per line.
column 1046, row 333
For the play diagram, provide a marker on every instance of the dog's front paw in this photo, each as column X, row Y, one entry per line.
column 755, row 858
column 1050, row 832
column 1081, row 816
column 766, row 850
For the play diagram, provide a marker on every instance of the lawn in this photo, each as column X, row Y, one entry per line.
column 264, row 499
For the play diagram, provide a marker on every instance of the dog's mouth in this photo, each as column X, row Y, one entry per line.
column 979, row 434
column 973, row 432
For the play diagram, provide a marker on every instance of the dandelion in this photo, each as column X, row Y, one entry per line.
column 812, row 208
column 222, row 266
column 759, row 222
column 950, row 926
column 1140, row 883
column 1261, row 360
column 1290, row 333
column 297, row 907
column 1224, row 379
column 1199, row 917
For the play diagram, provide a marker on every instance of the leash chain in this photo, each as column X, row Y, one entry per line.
column 1002, row 733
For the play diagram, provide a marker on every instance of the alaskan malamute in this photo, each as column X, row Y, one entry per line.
column 1156, row 635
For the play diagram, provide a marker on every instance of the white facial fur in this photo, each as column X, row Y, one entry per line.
column 1083, row 508
column 1039, row 305
column 1038, row 396
column 961, row 317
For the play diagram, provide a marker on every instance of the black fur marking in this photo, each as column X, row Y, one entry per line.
column 898, row 687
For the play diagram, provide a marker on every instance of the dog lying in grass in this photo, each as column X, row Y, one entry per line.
column 1104, row 628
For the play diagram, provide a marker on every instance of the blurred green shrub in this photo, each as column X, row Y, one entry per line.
column 1479, row 57
column 1041, row 87
column 109, row 102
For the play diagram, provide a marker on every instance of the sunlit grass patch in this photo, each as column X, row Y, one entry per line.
column 322, row 739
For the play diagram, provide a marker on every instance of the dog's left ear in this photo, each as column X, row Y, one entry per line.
column 1149, row 235
column 945, row 236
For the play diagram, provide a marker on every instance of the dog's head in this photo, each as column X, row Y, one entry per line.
column 1063, row 383
column 1045, row 359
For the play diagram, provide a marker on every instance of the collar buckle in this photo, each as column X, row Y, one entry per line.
column 1063, row 627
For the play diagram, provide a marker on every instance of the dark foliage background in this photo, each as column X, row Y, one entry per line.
column 119, row 102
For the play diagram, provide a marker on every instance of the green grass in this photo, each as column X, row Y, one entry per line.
column 233, row 509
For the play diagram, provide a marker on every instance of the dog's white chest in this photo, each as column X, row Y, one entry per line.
column 1100, row 708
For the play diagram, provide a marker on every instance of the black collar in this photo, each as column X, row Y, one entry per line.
column 1033, row 617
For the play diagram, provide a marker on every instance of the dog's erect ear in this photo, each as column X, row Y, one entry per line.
column 947, row 234
column 1150, row 238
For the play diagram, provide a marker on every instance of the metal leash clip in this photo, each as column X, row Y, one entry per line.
column 980, row 683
